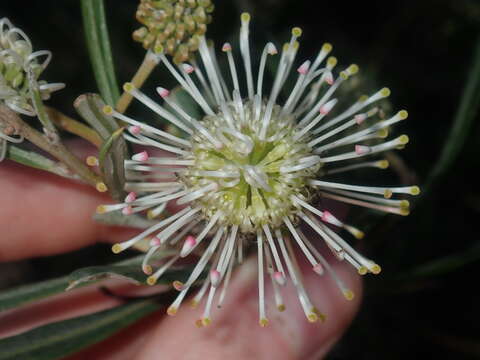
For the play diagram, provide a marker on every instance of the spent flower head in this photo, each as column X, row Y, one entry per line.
column 255, row 169
column 173, row 25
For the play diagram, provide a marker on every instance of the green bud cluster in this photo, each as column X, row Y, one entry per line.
column 173, row 25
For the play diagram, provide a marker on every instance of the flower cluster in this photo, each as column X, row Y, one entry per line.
column 173, row 25
column 255, row 169
column 20, row 68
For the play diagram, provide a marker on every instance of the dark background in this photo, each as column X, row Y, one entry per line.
column 422, row 50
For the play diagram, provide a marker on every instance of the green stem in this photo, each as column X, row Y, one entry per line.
column 57, row 150
column 138, row 79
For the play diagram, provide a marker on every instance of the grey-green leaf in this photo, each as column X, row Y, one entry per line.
column 59, row 339
column 27, row 293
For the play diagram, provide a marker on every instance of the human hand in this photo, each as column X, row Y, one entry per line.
column 43, row 215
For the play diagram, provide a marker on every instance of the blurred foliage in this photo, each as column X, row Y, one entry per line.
column 423, row 303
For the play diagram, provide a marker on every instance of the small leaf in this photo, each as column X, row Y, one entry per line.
column 59, row 339
column 131, row 273
column 32, row 292
column 113, row 150
column 90, row 108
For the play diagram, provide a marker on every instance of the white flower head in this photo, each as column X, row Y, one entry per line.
column 253, row 169
column 20, row 66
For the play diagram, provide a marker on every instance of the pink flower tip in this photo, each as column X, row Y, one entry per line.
column 359, row 118
column 135, row 129
column 132, row 196
column 279, row 278
column 188, row 68
column 214, row 277
column 141, row 156
column 303, row 69
column 362, row 149
column 163, row 92
column 127, row 210
column 318, row 269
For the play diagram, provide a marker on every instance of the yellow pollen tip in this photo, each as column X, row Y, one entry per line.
column 92, row 161
column 128, row 87
column 344, row 75
column 245, row 17
column 327, row 47
column 321, row 316
column 359, row 234
column 403, row 139
column 332, row 61
column 405, row 204
column 382, row 133
column 385, row 92
column 152, row 280
column 376, row 269
column 363, row 98
column 348, row 294
column 404, row 211
column 263, row 322
column 414, row 190
column 101, row 209
column 383, row 164
column 353, row 69
column 116, row 248
column 101, row 187
column 281, row 307
column 362, row 270
column 312, row 318
column 297, row 32
column 172, row 310
column 107, row 110
column 206, row 321
column 198, row 323
column 150, row 214
column 387, row 194
column 158, row 49
column 147, row 269
column 403, row 114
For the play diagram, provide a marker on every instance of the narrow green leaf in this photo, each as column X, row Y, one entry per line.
column 37, row 161
column 32, row 292
column 466, row 114
column 106, row 48
column 59, row 339
column 27, row 293
column 94, row 24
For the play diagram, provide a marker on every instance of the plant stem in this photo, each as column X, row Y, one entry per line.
column 59, row 151
column 140, row 77
column 74, row 126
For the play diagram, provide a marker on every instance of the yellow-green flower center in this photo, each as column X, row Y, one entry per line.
column 254, row 179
